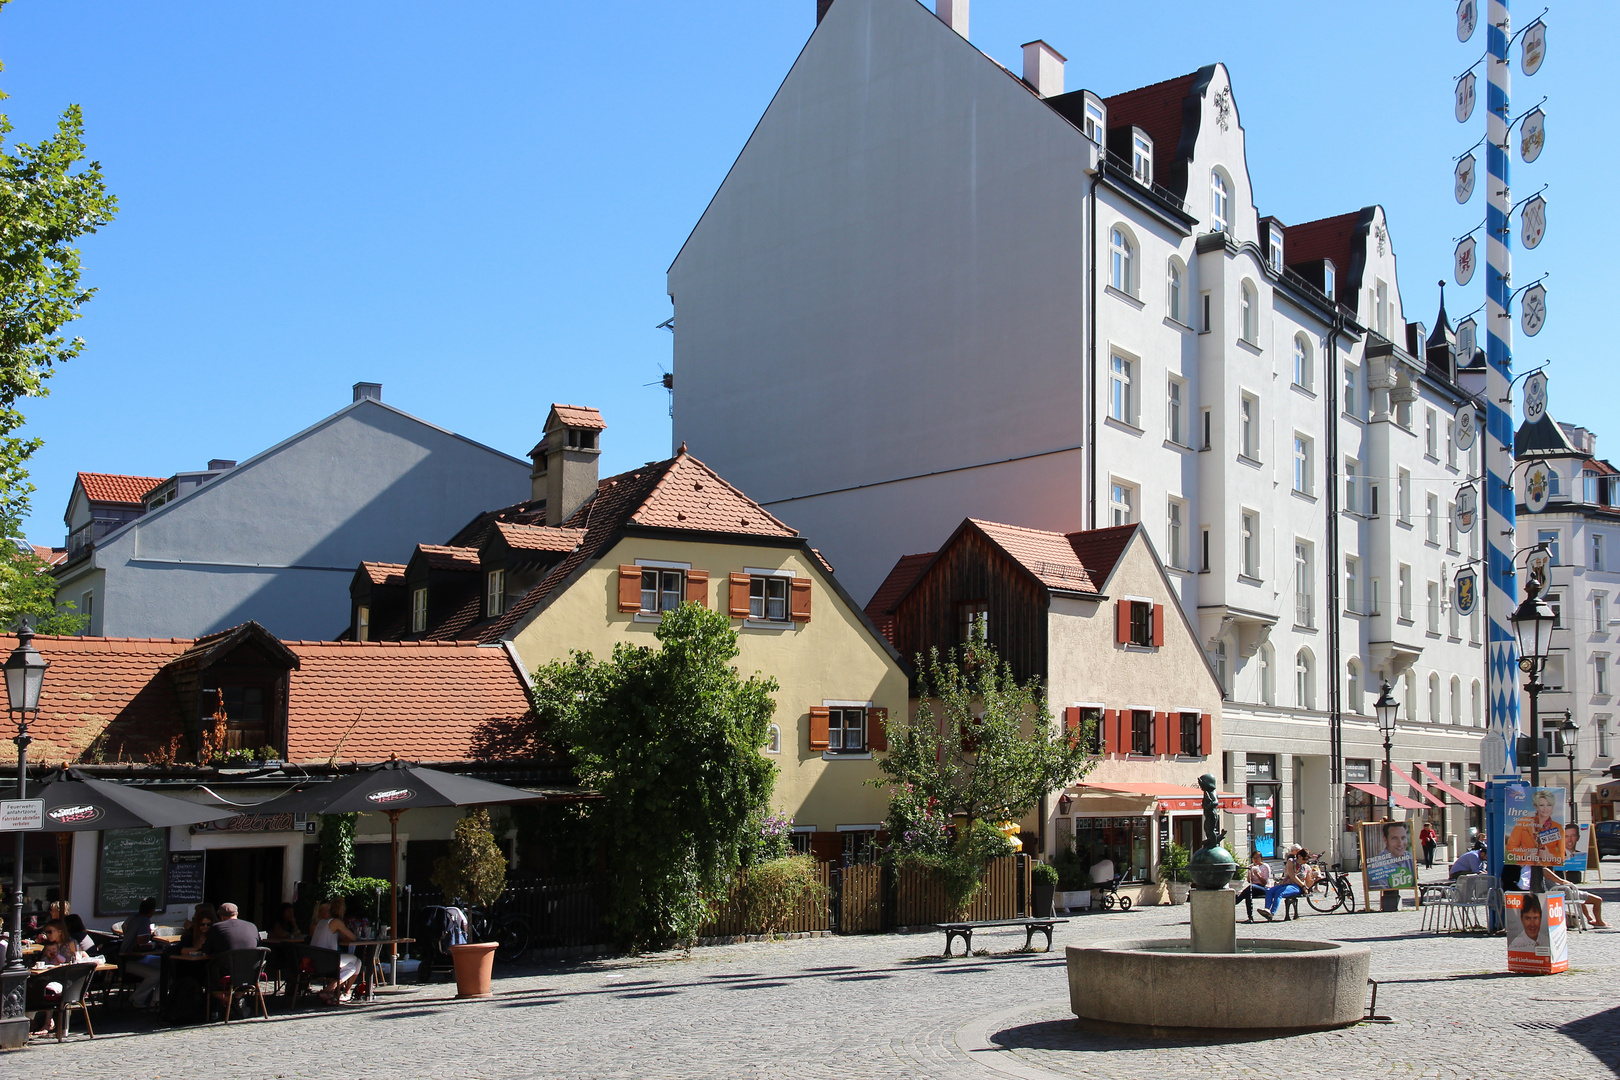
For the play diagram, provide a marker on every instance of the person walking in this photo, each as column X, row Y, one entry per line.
column 1428, row 838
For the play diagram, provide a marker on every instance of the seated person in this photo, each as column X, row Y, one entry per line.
column 1255, row 883
column 1471, row 861
column 80, row 934
column 226, row 935
column 1292, row 884
column 334, row 933
column 195, row 941
column 1592, row 903
column 141, row 953
column 204, row 910
column 285, row 928
column 59, row 947
column 323, row 913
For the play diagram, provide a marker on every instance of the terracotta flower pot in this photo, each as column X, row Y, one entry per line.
column 474, row 965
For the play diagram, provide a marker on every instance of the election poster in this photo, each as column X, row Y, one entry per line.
column 1389, row 862
column 1576, row 839
column 1537, row 936
column 1535, row 826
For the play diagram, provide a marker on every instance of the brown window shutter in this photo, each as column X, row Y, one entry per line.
column 1110, row 731
column 697, row 587
column 1203, row 734
column 1158, row 625
column 877, row 732
column 629, row 587
column 800, row 599
column 737, row 596
column 1169, row 744
column 1122, row 622
column 1071, row 722
column 819, row 715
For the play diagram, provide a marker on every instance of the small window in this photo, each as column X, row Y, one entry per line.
column 973, row 621
column 1249, row 528
column 362, row 623
column 1352, row 585
column 1121, row 404
column 773, row 739
column 1094, row 122
column 661, row 590
column 1175, row 412
column 1431, row 510
column 1268, row 674
column 1434, row 608
column 1142, row 159
column 1275, row 255
column 1352, row 487
column 1302, row 465
column 1451, row 443
column 1431, row 435
column 1435, row 716
column 1142, row 732
column 1121, row 503
column 1451, row 528
column 1352, row 377
column 495, row 593
column 1249, row 427
column 1597, row 551
column 768, row 598
column 846, row 730
column 1304, row 585
column 1550, row 538
column 1404, row 600
column 1121, row 273
column 1600, row 613
column 1328, row 282
column 418, row 610
column 1304, row 680
column 1192, row 739
column 1220, row 202
column 1251, row 314
column 1403, row 495
column 1093, row 718
column 1141, row 623
column 1382, row 310
column 1357, row 700
column 1175, row 282
column 1556, row 602
column 1302, row 361
column 1174, row 530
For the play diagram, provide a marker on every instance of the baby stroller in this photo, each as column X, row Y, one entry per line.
column 1108, row 893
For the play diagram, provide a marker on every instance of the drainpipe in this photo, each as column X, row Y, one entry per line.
column 1091, row 332
column 1335, row 663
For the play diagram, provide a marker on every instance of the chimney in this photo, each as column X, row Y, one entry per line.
column 954, row 14
column 821, row 10
column 1043, row 67
column 372, row 390
column 220, row 464
column 565, row 461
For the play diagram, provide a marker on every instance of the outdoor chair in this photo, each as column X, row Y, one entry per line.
column 1574, row 914
column 236, row 974
column 75, row 981
column 315, row 963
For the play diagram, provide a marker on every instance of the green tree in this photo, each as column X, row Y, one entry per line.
column 474, row 870
column 28, row 589
column 671, row 737
column 981, row 749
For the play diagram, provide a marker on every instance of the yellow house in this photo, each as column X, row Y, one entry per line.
column 586, row 564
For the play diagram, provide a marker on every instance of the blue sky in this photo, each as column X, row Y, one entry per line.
column 475, row 203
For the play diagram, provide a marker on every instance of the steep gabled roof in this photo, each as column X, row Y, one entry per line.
column 904, row 574
column 210, row 648
column 1543, row 438
column 1341, row 238
column 116, row 488
column 384, row 573
column 578, row 416
column 1048, row 557
column 444, row 557
column 1158, row 109
column 1100, row 549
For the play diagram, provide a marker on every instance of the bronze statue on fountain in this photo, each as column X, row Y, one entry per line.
column 1211, row 866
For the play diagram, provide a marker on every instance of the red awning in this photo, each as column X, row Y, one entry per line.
column 1461, row 796
column 1377, row 790
column 1242, row 808
column 1477, row 783
column 1169, row 797
column 1419, row 788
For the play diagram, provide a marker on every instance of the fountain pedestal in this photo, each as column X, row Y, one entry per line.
column 1214, row 921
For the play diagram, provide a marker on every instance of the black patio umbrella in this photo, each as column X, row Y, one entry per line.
column 393, row 787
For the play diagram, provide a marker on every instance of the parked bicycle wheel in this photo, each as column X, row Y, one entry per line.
column 511, row 938
column 1323, row 896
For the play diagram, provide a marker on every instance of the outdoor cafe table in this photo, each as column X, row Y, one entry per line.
column 171, row 970
column 367, row 950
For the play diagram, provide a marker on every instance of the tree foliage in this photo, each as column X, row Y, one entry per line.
column 671, row 737
column 981, row 749
column 28, row 589
column 474, row 870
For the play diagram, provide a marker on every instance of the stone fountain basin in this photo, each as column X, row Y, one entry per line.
column 1161, row 987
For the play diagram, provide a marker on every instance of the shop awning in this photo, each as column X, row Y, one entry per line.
column 1169, row 797
column 1378, row 791
column 1417, row 787
column 1461, row 796
column 1477, row 783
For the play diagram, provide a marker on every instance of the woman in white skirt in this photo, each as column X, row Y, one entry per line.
column 334, row 933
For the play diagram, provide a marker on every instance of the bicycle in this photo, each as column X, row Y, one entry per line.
column 1331, row 891
column 510, row 932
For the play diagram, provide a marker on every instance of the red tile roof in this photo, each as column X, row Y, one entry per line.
column 880, row 609
column 1047, row 556
column 1100, row 549
column 539, row 537
column 1326, row 238
column 441, row 557
column 113, row 488
column 1156, row 109
column 51, row 555
column 384, row 573
column 579, row 416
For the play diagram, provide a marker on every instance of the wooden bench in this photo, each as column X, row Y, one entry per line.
column 964, row 930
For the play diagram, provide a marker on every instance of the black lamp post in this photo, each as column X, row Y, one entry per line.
column 1385, row 709
column 1533, row 623
column 25, row 675
column 1571, row 733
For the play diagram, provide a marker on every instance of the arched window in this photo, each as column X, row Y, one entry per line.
column 1478, row 718
column 1251, row 314
column 1409, row 696
column 773, row 740
column 1456, row 700
column 1354, row 692
column 1121, row 258
column 1434, row 698
column 1268, row 675
column 1302, row 361
column 1220, row 202
column 1174, row 291
column 1304, row 682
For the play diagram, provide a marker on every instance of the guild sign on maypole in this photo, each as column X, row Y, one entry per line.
column 1533, row 221
column 1466, row 251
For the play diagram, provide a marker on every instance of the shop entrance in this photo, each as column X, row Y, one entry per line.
column 250, row 878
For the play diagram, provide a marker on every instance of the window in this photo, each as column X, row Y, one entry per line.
column 1304, row 680
column 1120, row 259
column 1093, row 123
column 1600, row 613
column 1403, row 496
column 1602, row 724
column 1249, row 427
column 1354, row 693
column 1597, row 551
column 973, row 621
column 1434, row 698
column 1302, row 361
column 1556, row 602
column 1207, row 426
column 1142, row 159
column 1220, row 202
column 1329, row 285
column 1554, row 482
column 1600, row 675
column 1303, row 590
column 1408, row 696
column 1192, row 738
column 846, row 730
column 1174, row 410
column 1352, row 377
column 1174, row 516
column 1451, row 443
column 773, row 740
column 1352, row 502
column 1120, row 405
column 661, row 590
column 1352, row 580
column 246, row 726
column 1302, row 465
column 1124, row 841
column 1473, row 626
column 1220, row 665
column 1121, row 503
column 1431, row 435
column 1141, row 623
column 1375, row 595
column 418, row 611
column 1142, row 732
column 1274, row 257
column 1249, row 535
column 1476, row 703
column 1455, row 629
column 1431, row 510
column 1451, row 527
column 1434, row 607
column 1173, row 290
column 1405, row 598
column 1250, row 310
column 1358, row 770
column 1206, row 325
column 1268, row 675
column 362, row 623
column 1550, row 538
column 1381, row 308
column 1092, row 719
column 768, row 598
column 494, row 593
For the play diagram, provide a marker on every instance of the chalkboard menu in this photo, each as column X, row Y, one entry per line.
column 130, row 868
column 186, row 872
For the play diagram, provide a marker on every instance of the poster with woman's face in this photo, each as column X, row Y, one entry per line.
column 1388, row 859
column 1535, row 826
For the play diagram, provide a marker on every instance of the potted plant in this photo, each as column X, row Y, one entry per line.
column 1045, row 886
column 1173, row 873
column 473, row 871
column 1074, row 881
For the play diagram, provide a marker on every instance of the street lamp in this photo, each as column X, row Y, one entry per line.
column 1533, row 623
column 1385, row 708
column 1571, row 732
column 25, row 675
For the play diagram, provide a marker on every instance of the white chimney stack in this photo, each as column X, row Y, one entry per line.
column 954, row 14
column 1043, row 68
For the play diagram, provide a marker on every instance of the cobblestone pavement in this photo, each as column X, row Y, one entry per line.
column 889, row 1006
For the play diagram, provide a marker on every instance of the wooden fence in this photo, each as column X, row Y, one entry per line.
column 732, row 918
column 860, row 899
column 920, row 897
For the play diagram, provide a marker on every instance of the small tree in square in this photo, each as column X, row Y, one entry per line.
column 982, row 749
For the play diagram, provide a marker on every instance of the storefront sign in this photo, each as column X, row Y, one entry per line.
column 255, row 823
column 1537, row 937
column 187, row 869
column 22, row 815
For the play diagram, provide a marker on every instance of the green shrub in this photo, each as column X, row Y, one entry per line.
column 770, row 892
column 1173, row 865
column 361, row 894
column 475, row 869
column 1073, row 873
column 1044, row 874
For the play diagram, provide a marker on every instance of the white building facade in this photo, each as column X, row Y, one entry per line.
column 930, row 289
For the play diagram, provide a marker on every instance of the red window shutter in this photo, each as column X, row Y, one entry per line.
column 1169, row 745
column 1203, row 733
column 1122, row 622
column 629, row 587
column 737, row 596
column 1110, row 731
column 1158, row 625
column 877, row 732
column 819, row 715
column 697, row 587
column 800, row 599
column 1071, row 722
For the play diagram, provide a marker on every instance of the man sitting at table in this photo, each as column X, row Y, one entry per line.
column 230, row 932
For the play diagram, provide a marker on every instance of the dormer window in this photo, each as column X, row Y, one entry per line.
column 1142, row 158
column 418, row 610
column 1328, row 284
column 1094, row 125
column 1220, row 202
column 1275, row 256
column 495, row 602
